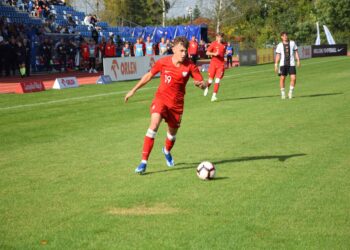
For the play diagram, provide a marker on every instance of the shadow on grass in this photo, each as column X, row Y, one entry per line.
column 273, row 96
column 320, row 95
column 189, row 165
column 248, row 98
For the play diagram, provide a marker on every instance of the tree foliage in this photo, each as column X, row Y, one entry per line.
column 137, row 12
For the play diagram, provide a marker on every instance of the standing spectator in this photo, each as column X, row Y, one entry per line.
column 84, row 50
column 193, row 50
column 21, row 58
column 162, row 47
column 126, row 50
column 92, row 56
column 143, row 46
column 94, row 35
column 229, row 54
column 2, row 53
column 27, row 47
column 45, row 51
column 138, row 48
column 201, row 49
column 71, row 53
column 61, row 48
column 101, row 51
column 168, row 46
column 110, row 50
column 149, row 47
column 13, row 55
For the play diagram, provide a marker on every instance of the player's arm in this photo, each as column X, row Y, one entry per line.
column 277, row 59
column 143, row 81
column 198, row 78
column 297, row 57
column 210, row 51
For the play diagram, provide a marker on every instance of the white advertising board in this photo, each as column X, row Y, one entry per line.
column 66, row 82
column 128, row 68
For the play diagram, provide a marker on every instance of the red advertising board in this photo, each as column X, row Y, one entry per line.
column 29, row 87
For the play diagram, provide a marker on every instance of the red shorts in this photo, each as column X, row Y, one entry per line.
column 171, row 116
column 216, row 71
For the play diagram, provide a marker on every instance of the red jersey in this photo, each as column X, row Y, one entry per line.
column 217, row 47
column 173, row 81
column 110, row 50
column 84, row 51
column 193, row 48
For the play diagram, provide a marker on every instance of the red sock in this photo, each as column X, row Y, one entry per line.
column 169, row 144
column 147, row 147
column 216, row 88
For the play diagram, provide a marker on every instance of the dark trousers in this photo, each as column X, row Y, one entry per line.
column 92, row 62
column 229, row 61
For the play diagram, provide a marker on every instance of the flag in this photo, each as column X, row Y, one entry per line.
column 328, row 35
column 318, row 39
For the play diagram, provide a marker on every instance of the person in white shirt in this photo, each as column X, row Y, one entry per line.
column 286, row 53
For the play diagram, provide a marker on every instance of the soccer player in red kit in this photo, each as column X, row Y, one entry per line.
column 193, row 50
column 217, row 64
column 168, row 103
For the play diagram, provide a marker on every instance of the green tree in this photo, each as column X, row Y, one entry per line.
column 196, row 12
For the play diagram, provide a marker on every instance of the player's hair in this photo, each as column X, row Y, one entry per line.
column 181, row 40
column 284, row 33
column 220, row 34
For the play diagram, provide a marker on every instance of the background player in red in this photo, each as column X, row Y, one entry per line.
column 193, row 50
column 217, row 64
column 84, row 48
column 168, row 103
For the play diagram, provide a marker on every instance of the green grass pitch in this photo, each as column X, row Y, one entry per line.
column 67, row 161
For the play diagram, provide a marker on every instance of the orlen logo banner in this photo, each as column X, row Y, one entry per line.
column 128, row 68
column 66, row 82
column 29, row 87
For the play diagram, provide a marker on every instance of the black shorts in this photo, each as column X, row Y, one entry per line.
column 287, row 70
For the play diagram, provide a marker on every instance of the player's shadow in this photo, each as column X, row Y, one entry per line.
column 273, row 96
column 248, row 98
column 320, row 95
column 189, row 165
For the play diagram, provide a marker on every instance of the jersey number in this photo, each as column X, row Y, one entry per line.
column 167, row 79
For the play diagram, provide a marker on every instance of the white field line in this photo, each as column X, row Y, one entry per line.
column 70, row 99
column 143, row 89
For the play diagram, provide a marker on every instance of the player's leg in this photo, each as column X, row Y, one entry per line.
column 174, row 120
column 218, row 76
column 282, row 82
column 293, row 79
column 169, row 144
column 211, row 74
column 148, row 142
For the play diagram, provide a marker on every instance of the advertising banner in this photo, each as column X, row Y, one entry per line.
column 304, row 52
column 329, row 50
column 128, row 68
column 66, row 82
column 265, row 56
column 247, row 57
column 29, row 87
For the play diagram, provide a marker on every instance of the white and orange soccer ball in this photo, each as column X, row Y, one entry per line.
column 206, row 170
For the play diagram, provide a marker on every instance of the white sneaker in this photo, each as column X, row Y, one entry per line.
column 283, row 96
column 206, row 90
column 95, row 71
column 214, row 98
column 90, row 71
column 290, row 95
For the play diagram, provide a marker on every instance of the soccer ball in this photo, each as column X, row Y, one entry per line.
column 206, row 170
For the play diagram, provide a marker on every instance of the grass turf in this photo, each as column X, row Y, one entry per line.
column 67, row 163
